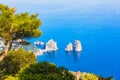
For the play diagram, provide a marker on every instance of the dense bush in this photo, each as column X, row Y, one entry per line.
column 9, row 78
column 88, row 76
column 16, row 60
column 102, row 78
column 45, row 71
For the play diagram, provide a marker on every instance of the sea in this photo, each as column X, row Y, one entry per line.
column 99, row 36
column 95, row 23
column 100, row 49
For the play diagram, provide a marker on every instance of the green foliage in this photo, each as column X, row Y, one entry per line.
column 18, row 26
column 45, row 71
column 102, row 78
column 88, row 76
column 16, row 60
column 10, row 78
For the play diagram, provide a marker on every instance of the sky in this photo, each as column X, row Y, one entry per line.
column 86, row 11
column 60, row 11
column 56, row 6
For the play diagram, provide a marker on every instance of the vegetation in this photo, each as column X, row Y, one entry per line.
column 21, row 65
column 102, row 78
column 17, row 26
column 45, row 71
column 40, row 71
column 15, row 61
column 10, row 78
column 89, row 76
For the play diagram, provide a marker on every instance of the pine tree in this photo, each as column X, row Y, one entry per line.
column 17, row 26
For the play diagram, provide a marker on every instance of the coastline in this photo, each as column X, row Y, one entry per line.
column 89, row 76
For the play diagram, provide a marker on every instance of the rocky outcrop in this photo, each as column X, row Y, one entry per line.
column 77, row 45
column 69, row 47
column 51, row 45
column 38, row 52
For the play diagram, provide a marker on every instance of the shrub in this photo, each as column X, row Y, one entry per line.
column 45, row 71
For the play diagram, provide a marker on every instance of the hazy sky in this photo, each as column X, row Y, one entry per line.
column 63, row 5
column 84, row 10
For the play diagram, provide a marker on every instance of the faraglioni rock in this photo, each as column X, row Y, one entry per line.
column 77, row 45
column 51, row 45
column 69, row 47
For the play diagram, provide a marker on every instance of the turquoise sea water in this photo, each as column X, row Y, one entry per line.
column 100, row 53
column 95, row 23
column 100, row 40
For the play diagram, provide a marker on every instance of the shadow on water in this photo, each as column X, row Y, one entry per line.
column 74, row 54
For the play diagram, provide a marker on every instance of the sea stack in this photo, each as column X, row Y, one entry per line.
column 77, row 45
column 51, row 45
column 69, row 47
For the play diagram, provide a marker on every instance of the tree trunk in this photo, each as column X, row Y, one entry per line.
column 7, row 48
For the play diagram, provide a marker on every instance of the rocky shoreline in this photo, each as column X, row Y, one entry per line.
column 88, row 76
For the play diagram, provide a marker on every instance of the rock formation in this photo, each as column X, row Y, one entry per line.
column 77, row 45
column 51, row 45
column 69, row 47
